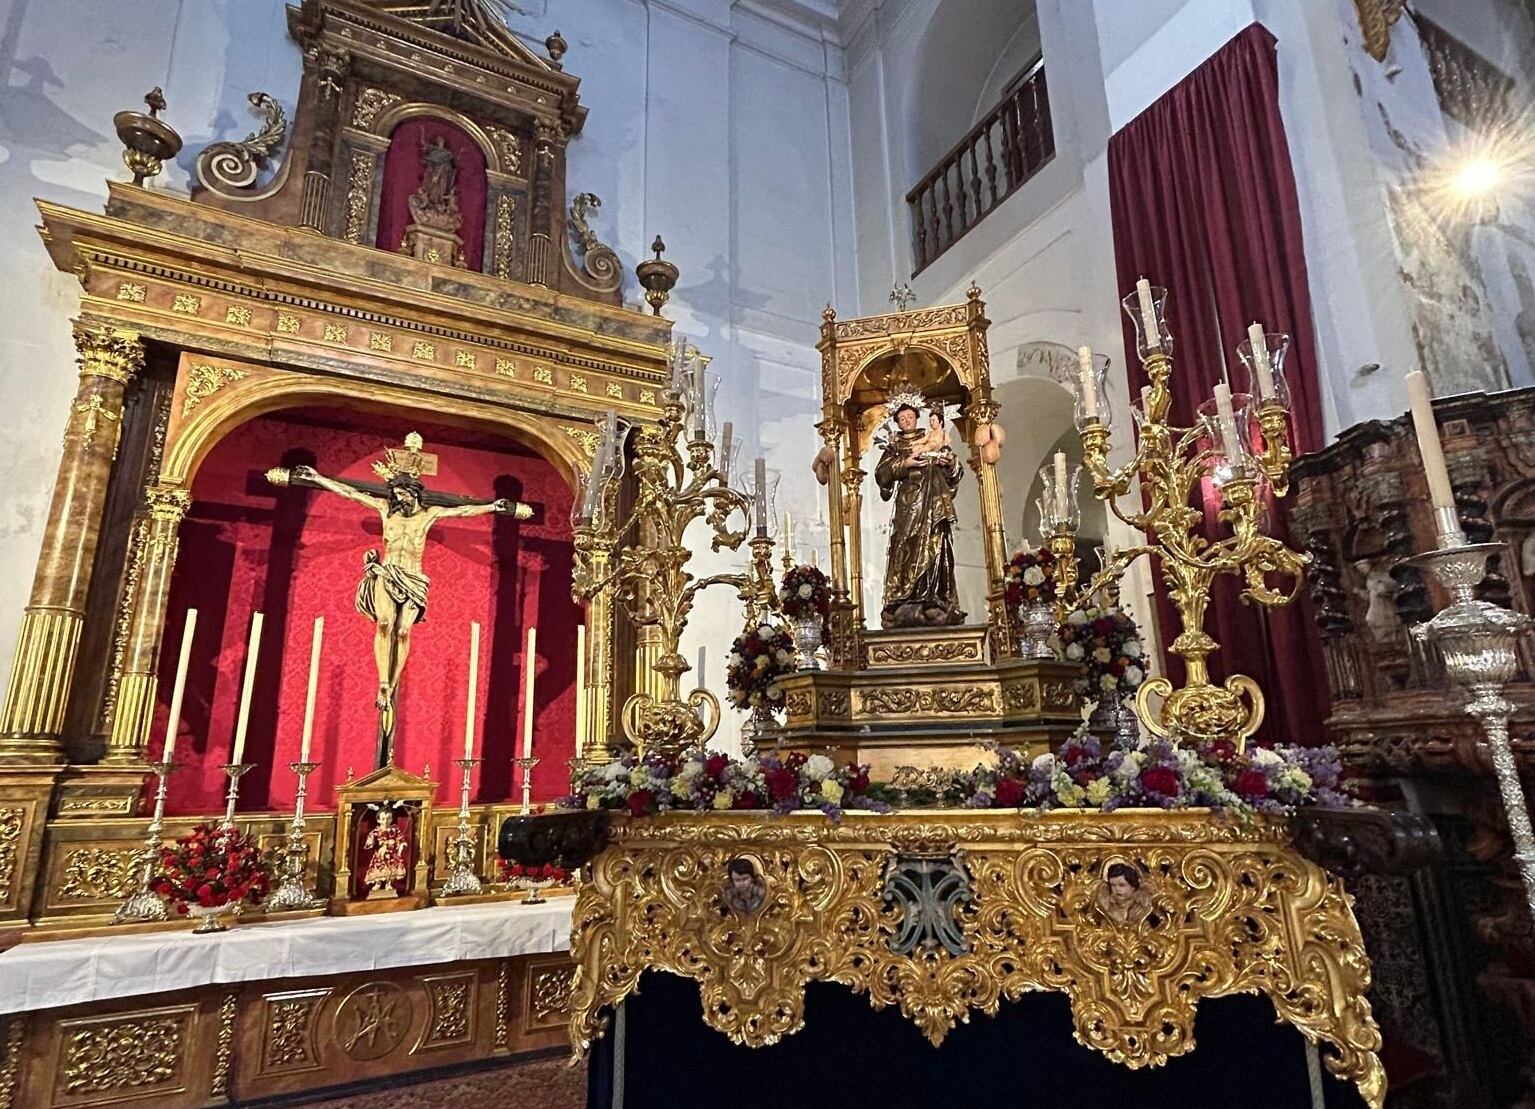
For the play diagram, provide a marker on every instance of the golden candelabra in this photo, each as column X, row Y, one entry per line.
column 1240, row 443
column 644, row 557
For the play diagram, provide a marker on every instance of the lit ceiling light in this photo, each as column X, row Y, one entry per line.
column 1478, row 177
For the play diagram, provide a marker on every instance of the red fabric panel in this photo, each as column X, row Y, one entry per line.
column 402, row 176
column 1203, row 201
column 295, row 554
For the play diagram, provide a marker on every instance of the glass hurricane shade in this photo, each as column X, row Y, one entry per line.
column 1228, row 450
column 1089, row 390
column 1053, row 513
column 1132, row 307
column 1271, row 386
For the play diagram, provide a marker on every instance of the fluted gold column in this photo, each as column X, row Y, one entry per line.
column 596, row 742
column 136, row 690
column 42, row 673
column 844, row 638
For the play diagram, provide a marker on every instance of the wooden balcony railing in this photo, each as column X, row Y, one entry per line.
column 983, row 169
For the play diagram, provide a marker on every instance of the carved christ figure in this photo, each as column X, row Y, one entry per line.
column 392, row 592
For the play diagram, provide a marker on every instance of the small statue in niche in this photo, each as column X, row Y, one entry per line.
column 434, row 209
column 1380, row 606
column 390, row 847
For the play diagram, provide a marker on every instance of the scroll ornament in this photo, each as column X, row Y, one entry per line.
column 600, row 262
column 229, row 168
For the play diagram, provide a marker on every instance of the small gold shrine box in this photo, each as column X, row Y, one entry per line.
column 388, row 812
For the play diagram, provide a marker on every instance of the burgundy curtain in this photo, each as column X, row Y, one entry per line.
column 1203, row 202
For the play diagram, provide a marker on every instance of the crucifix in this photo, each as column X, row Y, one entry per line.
column 392, row 593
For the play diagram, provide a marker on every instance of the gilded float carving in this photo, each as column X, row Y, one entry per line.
column 130, row 1055
column 98, row 874
column 10, row 843
column 549, row 992
column 1222, row 909
column 450, row 1002
column 204, row 380
column 903, row 654
column 290, row 1030
column 908, row 701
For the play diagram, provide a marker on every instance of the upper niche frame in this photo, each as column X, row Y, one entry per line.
column 371, row 64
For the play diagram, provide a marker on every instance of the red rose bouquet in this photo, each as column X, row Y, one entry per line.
column 519, row 874
column 804, row 593
column 210, row 867
column 1030, row 578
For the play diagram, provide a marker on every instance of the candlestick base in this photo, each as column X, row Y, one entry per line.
column 462, row 879
column 144, row 904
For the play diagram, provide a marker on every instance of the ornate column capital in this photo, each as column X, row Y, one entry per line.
column 167, row 503
column 106, row 351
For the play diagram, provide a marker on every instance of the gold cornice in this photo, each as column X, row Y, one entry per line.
column 77, row 239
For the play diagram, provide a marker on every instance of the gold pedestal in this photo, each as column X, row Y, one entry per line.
column 927, row 699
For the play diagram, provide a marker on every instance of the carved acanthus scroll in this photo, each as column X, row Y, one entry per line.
column 601, row 267
column 231, row 168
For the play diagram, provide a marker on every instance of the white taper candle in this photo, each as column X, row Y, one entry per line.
column 529, row 666
column 1089, row 386
column 1263, row 370
column 251, row 651
column 173, row 725
column 1060, row 485
column 1429, row 446
column 472, row 698
column 1226, row 419
column 1148, row 315
column 580, row 687
column 314, row 685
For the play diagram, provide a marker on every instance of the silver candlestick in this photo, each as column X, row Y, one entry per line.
column 462, row 878
column 526, row 765
column 1478, row 641
column 292, row 891
column 143, row 904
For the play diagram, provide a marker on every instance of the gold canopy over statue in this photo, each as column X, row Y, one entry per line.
column 925, row 685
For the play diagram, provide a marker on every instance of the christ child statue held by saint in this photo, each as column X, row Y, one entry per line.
column 936, row 441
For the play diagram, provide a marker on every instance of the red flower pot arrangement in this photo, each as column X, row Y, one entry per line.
column 209, row 869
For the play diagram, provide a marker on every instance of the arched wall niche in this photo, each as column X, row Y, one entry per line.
column 295, row 554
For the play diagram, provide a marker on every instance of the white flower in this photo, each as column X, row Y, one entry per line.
column 1098, row 791
column 691, row 769
column 1132, row 648
column 593, row 801
column 1033, row 576
column 1293, row 777
column 724, row 799
column 818, row 767
column 784, row 657
column 1128, row 770
column 1134, row 675
column 1187, row 760
column 1077, row 617
column 764, row 632
column 1109, row 683
column 611, row 771
column 1043, row 762
column 735, row 659
column 1074, row 652
column 831, row 790
column 1101, row 654
column 681, row 788
column 761, row 662
column 1264, row 757
column 805, row 591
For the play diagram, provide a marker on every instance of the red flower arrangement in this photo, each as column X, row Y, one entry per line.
column 1030, row 579
column 210, row 867
column 805, row 592
column 516, row 872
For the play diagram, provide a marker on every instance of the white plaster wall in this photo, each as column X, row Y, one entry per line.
column 721, row 124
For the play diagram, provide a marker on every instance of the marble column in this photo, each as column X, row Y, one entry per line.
column 136, row 688
column 42, row 673
column 546, row 139
column 329, row 75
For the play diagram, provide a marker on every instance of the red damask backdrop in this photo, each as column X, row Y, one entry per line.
column 402, row 176
column 295, row 554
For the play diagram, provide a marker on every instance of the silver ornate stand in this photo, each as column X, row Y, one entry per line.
column 292, row 890
column 1478, row 641
column 461, row 877
column 143, row 904
column 526, row 765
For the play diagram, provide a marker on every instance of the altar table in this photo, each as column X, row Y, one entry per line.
column 178, row 1021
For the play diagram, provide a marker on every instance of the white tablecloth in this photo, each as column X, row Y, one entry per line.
column 69, row 972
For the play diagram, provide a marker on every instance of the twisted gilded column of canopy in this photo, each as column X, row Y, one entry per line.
column 43, row 670
column 136, row 689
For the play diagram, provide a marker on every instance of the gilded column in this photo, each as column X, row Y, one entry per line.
column 852, row 484
column 982, row 411
column 42, row 673
column 596, row 742
column 136, row 690
column 540, row 244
